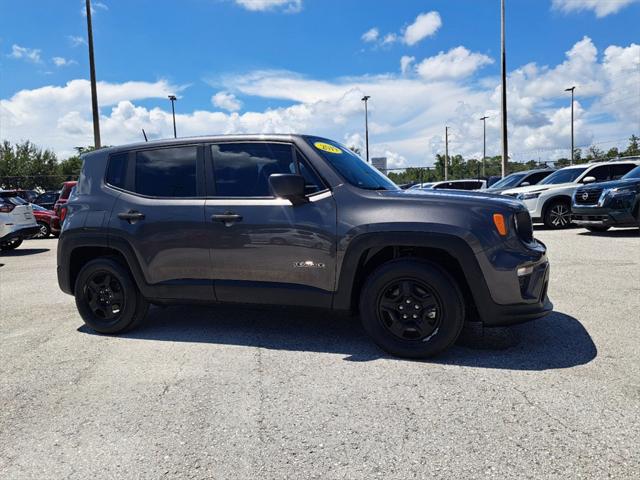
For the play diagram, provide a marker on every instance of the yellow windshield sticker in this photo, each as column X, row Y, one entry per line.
column 326, row 147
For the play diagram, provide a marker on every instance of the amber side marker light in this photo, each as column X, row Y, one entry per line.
column 501, row 225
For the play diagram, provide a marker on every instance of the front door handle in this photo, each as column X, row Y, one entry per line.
column 132, row 216
column 228, row 218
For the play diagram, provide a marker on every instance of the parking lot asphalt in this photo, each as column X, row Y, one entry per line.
column 246, row 392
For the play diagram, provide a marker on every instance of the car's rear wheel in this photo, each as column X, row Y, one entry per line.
column 11, row 244
column 557, row 215
column 412, row 308
column 598, row 229
column 44, row 230
column 107, row 298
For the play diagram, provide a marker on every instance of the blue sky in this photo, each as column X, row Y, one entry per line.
column 302, row 65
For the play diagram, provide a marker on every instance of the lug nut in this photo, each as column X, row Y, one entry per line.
column 432, row 314
column 400, row 307
column 415, row 316
column 408, row 300
column 417, row 307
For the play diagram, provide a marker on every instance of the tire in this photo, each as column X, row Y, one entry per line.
column 11, row 244
column 557, row 215
column 598, row 229
column 420, row 286
column 99, row 285
column 45, row 230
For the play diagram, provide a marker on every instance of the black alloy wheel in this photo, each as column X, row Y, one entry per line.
column 409, row 309
column 105, row 296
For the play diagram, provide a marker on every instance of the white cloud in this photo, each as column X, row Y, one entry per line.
column 371, row 35
column 29, row 54
column 389, row 38
column 601, row 8
column 62, row 62
column 407, row 114
column 290, row 6
column 456, row 63
column 76, row 41
column 226, row 101
column 405, row 63
column 425, row 25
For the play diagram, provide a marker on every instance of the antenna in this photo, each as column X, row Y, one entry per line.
column 145, row 135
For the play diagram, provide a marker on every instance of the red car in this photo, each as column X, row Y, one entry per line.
column 48, row 221
column 64, row 196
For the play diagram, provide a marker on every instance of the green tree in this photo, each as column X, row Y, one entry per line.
column 633, row 148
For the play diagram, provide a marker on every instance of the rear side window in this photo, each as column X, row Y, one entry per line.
column 117, row 170
column 243, row 169
column 167, row 172
column 619, row 171
column 534, row 178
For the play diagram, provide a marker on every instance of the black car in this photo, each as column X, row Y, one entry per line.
column 520, row 179
column 601, row 206
column 293, row 220
column 47, row 199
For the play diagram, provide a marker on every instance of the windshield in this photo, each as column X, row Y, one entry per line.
column 354, row 170
column 567, row 175
column 635, row 173
column 508, row 181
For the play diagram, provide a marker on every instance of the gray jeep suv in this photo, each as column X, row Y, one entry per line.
column 293, row 220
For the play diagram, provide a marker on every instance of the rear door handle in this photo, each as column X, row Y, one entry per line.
column 228, row 218
column 131, row 216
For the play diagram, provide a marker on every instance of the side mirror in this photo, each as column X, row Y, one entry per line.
column 525, row 184
column 588, row 179
column 288, row 186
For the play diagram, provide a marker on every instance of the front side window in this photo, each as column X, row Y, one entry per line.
column 167, row 172
column 601, row 174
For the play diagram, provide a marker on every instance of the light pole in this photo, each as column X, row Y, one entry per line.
column 92, row 73
column 484, row 143
column 446, row 153
column 572, row 89
column 173, row 111
column 365, row 99
column 505, row 146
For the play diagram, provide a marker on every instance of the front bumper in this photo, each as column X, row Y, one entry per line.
column 602, row 217
column 23, row 233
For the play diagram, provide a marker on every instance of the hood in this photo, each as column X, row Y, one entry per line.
column 537, row 188
column 463, row 197
column 612, row 184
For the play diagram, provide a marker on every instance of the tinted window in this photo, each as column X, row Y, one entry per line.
column 635, row 173
column 619, row 171
column 350, row 166
column 117, row 170
column 167, row 172
column 534, row 178
column 312, row 182
column 243, row 169
column 508, row 181
column 601, row 173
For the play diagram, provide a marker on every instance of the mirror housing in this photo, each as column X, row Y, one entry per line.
column 588, row 179
column 288, row 186
column 525, row 184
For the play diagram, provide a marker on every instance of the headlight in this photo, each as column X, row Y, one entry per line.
column 616, row 192
column 528, row 196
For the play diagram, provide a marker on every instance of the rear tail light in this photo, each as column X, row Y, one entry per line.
column 6, row 207
column 63, row 214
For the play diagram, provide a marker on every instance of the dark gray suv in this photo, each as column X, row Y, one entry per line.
column 293, row 220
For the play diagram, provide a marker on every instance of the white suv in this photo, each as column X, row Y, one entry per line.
column 16, row 220
column 550, row 200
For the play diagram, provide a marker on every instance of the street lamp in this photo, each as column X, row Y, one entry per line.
column 173, row 111
column 365, row 99
column 92, row 74
column 484, row 142
column 571, row 89
column 503, row 55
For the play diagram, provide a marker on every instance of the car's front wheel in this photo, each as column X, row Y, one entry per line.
column 44, row 230
column 412, row 308
column 557, row 215
column 107, row 298
column 11, row 244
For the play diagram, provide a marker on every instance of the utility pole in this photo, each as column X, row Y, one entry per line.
column 446, row 153
column 505, row 146
column 365, row 99
column 92, row 71
column 572, row 89
column 173, row 111
column 484, row 143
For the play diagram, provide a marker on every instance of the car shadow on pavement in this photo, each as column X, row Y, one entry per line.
column 626, row 233
column 21, row 252
column 557, row 341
